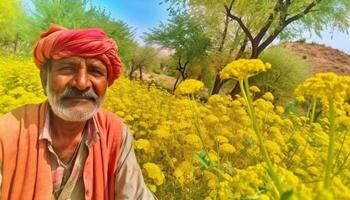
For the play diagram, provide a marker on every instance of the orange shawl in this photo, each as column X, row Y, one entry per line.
column 26, row 172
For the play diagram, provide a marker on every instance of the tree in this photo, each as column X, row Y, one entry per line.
column 78, row 14
column 264, row 21
column 11, row 23
column 143, row 58
column 226, row 38
column 183, row 36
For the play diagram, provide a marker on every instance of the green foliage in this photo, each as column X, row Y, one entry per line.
column 22, row 29
column 288, row 70
column 146, row 57
column 12, row 29
column 183, row 35
column 253, row 13
column 79, row 14
column 238, row 26
column 13, row 10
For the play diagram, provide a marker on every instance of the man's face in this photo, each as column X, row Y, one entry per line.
column 76, row 87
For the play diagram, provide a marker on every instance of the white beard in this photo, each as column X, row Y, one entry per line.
column 68, row 114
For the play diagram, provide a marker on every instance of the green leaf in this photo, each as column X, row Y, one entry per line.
column 287, row 195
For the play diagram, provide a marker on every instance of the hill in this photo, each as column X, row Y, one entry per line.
column 322, row 58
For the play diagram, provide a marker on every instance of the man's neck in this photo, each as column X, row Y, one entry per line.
column 65, row 130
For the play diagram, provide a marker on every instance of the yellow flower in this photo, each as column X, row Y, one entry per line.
column 212, row 119
column 193, row 140
column 162, row 132
column 243, row 68
column 227, row 148
column 189, row 86
column 152, row 187
column 221, row 139
column 184, row 172
column 324, row 86
column 268, row 96
column 213, row 156
column 254, row 89
column 154, row 172
column 142, row 144
column 264, row 197
column 216, row 99
column 279, row 109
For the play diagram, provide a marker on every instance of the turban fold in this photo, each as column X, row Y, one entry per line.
column 58, row 42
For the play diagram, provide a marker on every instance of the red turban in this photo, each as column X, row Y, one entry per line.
column 59, row 42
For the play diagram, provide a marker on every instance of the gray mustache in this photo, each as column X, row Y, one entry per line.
column 72, row 92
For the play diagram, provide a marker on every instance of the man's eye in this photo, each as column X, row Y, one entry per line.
column 67, row 69
column 97, row 72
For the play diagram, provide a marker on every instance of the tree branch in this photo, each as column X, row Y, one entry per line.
column 240, row 23
column 268, row 40
column 224, row 34
column 286, row 22
column 242, row 49
column 302, row 13
column 231, row 4
column 278, row 7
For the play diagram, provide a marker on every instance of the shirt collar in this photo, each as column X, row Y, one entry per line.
column 92, row 131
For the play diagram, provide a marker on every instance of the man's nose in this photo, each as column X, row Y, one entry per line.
column 81, row 79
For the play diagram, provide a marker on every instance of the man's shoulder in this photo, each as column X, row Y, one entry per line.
column 12, row 119
column 109, row 116
column 10, row 123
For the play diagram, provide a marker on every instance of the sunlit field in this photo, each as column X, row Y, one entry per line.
column 219, row 148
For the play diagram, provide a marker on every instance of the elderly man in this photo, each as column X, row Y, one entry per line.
column 68, row 147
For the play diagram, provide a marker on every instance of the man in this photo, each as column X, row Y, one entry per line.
column 69, row 147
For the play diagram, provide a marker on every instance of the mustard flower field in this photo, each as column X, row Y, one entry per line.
column 223, row 149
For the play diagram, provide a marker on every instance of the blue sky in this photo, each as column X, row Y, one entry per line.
column 145, row 14
column 141, row 15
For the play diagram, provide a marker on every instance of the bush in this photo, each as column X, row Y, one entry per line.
column 288, row 70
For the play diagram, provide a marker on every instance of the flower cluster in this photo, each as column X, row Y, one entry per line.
column 325, row 86
column 154, row 172
column 243, row 68
column 189, row 86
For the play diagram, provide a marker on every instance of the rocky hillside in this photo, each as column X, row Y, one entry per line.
column 322, row 58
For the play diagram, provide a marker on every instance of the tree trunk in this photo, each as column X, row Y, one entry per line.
column 255, row 52
column 235, row 91
column 183, row 74
column 175, row 84
column 15, row 48
column 140, row 71
column 217, row 84
column 132, row 70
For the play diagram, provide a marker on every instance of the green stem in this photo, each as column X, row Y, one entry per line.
column 329, row 162
column 271, row 171
column 245, row 96
column 195, row 111
column 314, row 102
